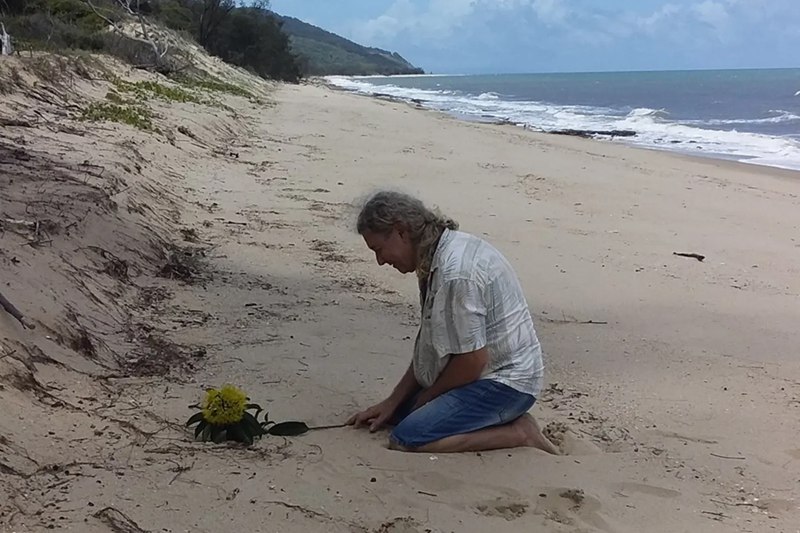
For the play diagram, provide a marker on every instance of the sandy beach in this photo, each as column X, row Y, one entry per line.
column 672, row 384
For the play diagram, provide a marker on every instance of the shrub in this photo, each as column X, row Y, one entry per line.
column 135, row 116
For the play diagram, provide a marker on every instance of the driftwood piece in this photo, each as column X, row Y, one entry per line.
column 728, row 456
column 13, row 311
column 691, row 256
column 118, row 521
column 6, row 49
column 588, row 134
column 14, row 122
column 570, row 320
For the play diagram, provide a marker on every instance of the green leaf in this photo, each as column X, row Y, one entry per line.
column 219, row 434
column 200, row 427
column 256, row 407
column 239, row 434
column 288, row 429
column 252, row 425
column 197, row 417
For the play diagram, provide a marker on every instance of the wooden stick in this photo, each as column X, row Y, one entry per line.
column 334, row 426
column 13, row 311
column 735, row 504
column 570, row 321
column 13, row 122
column 727, row 456
column 699, row 257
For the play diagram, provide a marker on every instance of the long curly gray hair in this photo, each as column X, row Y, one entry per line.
column 387, row 209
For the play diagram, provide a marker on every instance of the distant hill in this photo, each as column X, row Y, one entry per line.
column 324, row 53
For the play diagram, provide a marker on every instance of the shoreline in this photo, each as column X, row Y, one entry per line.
column 587, row 134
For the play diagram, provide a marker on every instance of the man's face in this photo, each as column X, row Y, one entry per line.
column 394, row 248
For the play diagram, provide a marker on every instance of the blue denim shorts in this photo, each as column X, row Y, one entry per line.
column 481, row 404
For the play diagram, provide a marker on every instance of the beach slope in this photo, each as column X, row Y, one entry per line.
column 672, row 384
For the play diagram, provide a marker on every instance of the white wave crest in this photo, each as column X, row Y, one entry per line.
column 652, row 126
column 782, row 118
column 641, row 112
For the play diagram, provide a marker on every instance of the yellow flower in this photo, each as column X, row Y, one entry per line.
column 224, row 406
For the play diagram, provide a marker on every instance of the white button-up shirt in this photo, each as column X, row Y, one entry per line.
column 473, row 299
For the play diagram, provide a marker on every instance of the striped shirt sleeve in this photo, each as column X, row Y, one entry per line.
column 458, row 318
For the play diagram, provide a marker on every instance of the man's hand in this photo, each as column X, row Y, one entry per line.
column 376, row 416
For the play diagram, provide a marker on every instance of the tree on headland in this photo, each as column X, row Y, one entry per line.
column 213, row 14
column 251, row 37
column 246, row 35
column 137, row 9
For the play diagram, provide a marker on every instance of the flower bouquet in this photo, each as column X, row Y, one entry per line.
column 224, row 416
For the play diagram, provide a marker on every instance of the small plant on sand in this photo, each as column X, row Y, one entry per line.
column 137, row 117
column 213, row 84
column 165, row 92
column 224, row 416
column 146, row 89
column 115, row 98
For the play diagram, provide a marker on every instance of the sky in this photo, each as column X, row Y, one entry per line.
column 511, row 36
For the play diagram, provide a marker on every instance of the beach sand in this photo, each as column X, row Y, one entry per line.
column 672, row 384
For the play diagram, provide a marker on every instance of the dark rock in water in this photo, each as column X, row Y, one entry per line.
column 499, row 121
column 392, row 98
column 588, row 134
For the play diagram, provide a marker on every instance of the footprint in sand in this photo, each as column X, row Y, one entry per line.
column 568, row 442
column 571, row 507
column 502, row 508
column 795, row 454
column 650, row 490
column 778, row 506
column 402, row 525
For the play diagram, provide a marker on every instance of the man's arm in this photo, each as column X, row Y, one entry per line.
column 377, row 415
column 405, row 388
column 461, row 369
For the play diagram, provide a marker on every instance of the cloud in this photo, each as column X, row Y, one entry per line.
column 714, row 15
column 439, row 20
column 655, row 22
column 435, row 22
column 548, row 33
column 551, row 11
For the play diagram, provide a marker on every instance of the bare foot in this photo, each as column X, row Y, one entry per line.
column 534, row 437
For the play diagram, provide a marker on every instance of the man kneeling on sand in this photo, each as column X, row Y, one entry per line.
column 477, row 365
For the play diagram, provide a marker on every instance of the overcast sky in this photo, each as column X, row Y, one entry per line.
column 499, row 36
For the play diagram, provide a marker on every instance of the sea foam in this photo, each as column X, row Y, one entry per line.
column 654, row 127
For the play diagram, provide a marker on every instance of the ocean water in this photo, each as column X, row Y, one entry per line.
column 746, row 115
